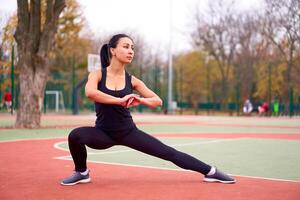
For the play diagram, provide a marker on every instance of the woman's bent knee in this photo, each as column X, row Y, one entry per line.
column 74, row 134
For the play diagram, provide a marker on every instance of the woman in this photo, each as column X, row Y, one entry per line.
column 111, row 90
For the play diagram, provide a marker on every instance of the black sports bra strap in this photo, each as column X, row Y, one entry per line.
column 128, row 79
column 103, row 76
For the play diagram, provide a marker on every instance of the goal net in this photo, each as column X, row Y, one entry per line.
column 54, row 100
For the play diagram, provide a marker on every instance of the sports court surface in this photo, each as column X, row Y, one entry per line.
column 262, row 153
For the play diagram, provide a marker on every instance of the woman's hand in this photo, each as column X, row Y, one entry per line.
column 134, row 101
column 151, row 102
column 124, row 100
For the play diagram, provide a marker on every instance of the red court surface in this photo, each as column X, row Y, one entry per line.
column 29, row 172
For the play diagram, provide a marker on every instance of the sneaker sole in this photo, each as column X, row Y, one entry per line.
column 212, row 180
column 80, row 181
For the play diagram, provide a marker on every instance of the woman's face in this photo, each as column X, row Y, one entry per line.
column 124, row 51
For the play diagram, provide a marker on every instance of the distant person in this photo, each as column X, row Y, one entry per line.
column 111, row 89
column 276, row 107
column 264, row 108
column 7, row 100
column 247, row 108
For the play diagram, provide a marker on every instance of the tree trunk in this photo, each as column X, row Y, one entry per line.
column 34, row 41
column 224, row 93
column 33, row 78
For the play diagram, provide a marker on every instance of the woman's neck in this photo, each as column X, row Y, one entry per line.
column 116, row 67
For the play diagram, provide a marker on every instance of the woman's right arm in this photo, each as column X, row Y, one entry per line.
column 92, row 92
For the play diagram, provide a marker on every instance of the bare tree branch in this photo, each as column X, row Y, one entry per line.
column 23, row 22
column 35, row 25
column 52, row 14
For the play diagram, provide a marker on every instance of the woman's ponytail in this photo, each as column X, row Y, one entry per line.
column 104, row 56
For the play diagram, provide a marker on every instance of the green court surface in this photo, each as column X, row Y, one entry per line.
column 52, row 120
column 18, row 134
column 212, row 129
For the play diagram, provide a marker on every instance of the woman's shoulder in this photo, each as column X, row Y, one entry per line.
column 136, row 81
column 96, row 74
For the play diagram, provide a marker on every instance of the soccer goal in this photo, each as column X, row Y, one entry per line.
column 54, row 100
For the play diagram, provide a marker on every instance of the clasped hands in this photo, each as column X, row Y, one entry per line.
column 131, row 100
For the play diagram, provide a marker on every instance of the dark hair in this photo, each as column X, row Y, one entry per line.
column 105, row 54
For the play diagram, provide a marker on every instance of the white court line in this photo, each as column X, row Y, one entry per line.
column 57, row 146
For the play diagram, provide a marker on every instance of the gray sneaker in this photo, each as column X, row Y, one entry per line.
column 218, row 176
column 77, row 177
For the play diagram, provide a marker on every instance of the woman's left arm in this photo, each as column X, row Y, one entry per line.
column 149, row 98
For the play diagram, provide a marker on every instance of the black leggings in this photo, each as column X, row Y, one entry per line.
column 134, row 138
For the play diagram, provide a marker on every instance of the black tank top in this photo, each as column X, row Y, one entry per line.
column 113, row 117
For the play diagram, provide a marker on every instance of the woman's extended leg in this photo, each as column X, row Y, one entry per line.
column 145, row 143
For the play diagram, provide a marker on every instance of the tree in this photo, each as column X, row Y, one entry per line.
column 216, row 34
column 191, row 83
column 68, row 41
column 34, row 41
column 70, row 49
column 247, row 54
column 68, row 59
column 282, row 27
column 7, row 25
